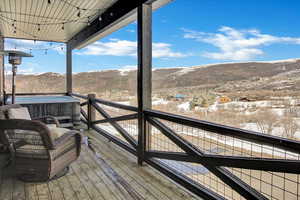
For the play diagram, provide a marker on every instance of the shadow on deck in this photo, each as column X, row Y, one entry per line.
column 106, row 173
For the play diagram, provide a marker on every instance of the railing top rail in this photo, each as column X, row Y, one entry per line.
column 108, row 103
column 116, row 105
column 37, row 94
column 251, row 136
column 79, row 96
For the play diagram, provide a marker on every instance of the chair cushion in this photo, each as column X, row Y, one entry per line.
column 19, row 113
column 57, row 132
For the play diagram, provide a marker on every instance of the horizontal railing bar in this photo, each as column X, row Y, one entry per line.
column 117, row 119
column 36, row 94
column 79, row 96
column 265, row 164
column 116, row 105
column 184, row 181
column 283, row 143
column 84, row 103
column 225, row 175
column 120, row 129
column 114, row 139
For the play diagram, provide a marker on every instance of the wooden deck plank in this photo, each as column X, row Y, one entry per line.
column 112, row 185
column 145, row 193
column 66, row 188
column 55, row 191
column 77, row 186
column 43, row 191
column 104, row 183
column 84, row 179
column 19, row 190
column 30, row 191
column 112, row 174
column 145, row 175
column 7, row 186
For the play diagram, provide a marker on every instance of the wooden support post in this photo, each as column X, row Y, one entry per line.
column 69, row 69
column 91, row 110
column 144, row 77
column 1, row 71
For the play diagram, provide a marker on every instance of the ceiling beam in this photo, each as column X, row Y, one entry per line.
column 118, row 12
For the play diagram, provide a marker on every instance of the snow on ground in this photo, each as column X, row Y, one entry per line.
column 278, row 111
column 214, row 138
column 184, row 71
column 159, row 102
column 184, row 106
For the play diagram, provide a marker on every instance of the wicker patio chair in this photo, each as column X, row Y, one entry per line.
column 39, row 152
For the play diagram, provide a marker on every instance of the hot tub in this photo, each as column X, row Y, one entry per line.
column 65, row 108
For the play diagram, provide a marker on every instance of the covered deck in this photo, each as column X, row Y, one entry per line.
column 106, row 172
column 136, row 152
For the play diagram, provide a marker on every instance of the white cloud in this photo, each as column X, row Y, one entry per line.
column 234, row 44
column 25, row 68
column 116, row 47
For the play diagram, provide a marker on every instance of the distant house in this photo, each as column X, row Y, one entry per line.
column 224, row 99
column 179, row 97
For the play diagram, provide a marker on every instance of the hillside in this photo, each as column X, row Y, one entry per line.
column 231, row 78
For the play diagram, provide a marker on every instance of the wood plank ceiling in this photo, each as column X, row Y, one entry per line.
column 49, row 20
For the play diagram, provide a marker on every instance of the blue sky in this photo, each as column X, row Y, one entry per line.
column 188, row 33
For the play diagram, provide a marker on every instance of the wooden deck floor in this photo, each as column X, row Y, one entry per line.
column 109, row 174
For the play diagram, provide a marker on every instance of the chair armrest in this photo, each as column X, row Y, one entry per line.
column 66, row 136
column 49, row 117
column 30, row 125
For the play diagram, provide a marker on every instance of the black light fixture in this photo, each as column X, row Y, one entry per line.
column 15, row 59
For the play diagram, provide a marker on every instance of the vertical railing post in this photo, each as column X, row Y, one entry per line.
column 69, row 69
column 2, row 98
column 91, row 110
column 144, row 77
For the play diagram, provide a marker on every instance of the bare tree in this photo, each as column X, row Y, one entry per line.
column 265, row 121
column 290, row 126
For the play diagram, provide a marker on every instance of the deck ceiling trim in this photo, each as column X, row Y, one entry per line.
column 117, row 16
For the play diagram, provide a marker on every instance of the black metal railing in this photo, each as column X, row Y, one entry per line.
column 209, row 159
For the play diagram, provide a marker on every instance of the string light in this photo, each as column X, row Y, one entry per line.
column 88, row 23
column 6, row 16
column 78, row 14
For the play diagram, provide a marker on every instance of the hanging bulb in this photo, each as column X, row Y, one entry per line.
column 39, row 27
column 78, row 14
column 100, row 18
column 34, row 41
column 13, row 24
column 111, row 14
column 45, row 51
column 88, row 23
column 62, row 48
column 49, row 1
column 30, row 51
column 15, row 31
column 63, row 26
